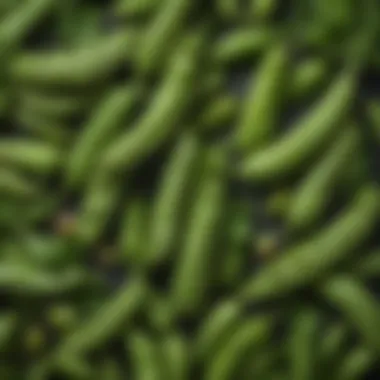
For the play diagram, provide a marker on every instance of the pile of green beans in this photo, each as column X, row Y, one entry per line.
column 189, row 190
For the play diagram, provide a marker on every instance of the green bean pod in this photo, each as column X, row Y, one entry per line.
column 162, row 34
column 308, row 77
column 217, row 328
column 136, row 222
column 241, row 44
column 103, row 125
column 165, row 112
column 20, row 21
column 304, row 262
column 136, row 8
column 98, row 204
column 173, row 195
column 260, row 110
column 176, row 356
column 356, row 364
column 219, row 113
column 114, row 315
column 191, row 278
column 54, row 105
column 145, row 355
column 307, row 136
column 311, row 199
column 8, row 323
column 248, row 337
column 47, row 128
column 78, row 68
column 16, row 185
column 30, row 155
column 357, row 304
column 17, row 278
column 302, row 344
column 263, row 9
column 373, row 112
column 238, row 234
column 368, row 266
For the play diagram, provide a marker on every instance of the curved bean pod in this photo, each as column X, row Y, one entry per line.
column 18, row 279
column 219, row 113
column 164, row 113
column 136, row 8
column 145, row 355
column 369, row 265
column 133, row 242
column 106, row 321
column 8, row 322
column 161, row 35
column 99, row 202
column 302, row 347
column 16, row 185
column 308, row 76
column 356, row 303
column 18, row 23
column 356, row 364
column 98, row 131
column 217, row 328
column 176, row 355
column 251, row 334
column 260, row 110
column 54, row 105
column 30, row 155
column 191, row 280
column 50, row 129
column 310, row 200
column 241, row 44
column 78, row 68
column 305, row 139
column 173, row 195
column 304, row 262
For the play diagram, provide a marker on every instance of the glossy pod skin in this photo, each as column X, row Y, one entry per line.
column 360, row 307
column 164, row 113
column 311, row 198
column 98, row 131
column 302, row 344
column 251, row 334
column 306, row 261
column 260, row 110
column 290, row 152
column 190, row 282
column 161, row 35
column 173, row 196
column 84, row 67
